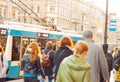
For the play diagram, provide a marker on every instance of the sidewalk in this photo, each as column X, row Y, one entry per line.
column 20, row 80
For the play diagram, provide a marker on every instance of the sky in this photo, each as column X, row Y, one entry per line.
column 113, row 5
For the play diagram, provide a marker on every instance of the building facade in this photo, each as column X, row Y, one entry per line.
column 72, row 15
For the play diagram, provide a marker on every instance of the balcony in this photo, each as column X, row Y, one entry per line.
column 75, row 20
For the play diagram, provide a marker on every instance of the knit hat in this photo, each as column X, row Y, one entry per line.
column 87, row 32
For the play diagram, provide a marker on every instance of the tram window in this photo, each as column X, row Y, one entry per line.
column 42, row 42
column 24, row 46
column 25, row 42
column 3, row 40
column 16, row 49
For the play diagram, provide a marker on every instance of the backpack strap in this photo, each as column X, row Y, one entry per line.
column 1, row 57
column 49, row 52
column 43, row 51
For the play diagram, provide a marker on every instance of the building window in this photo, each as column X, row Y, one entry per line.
column 25, row 20
column 5, row 14
column 31, row 7
column 1, row 12
column 38, row 9
column 52, row 9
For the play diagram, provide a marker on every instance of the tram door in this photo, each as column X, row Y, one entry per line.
column 15, row 57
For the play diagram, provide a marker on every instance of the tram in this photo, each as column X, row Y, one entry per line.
column 15, row 37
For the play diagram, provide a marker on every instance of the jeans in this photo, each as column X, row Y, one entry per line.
column 49, row 79
column 30, row 79
column 2, row 79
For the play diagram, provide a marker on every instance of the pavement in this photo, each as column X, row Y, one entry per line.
column 21, row 80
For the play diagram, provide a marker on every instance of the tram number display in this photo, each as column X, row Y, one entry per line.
column 45, row 35
column 3, row 31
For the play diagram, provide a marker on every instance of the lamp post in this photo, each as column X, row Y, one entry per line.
column 106, row 22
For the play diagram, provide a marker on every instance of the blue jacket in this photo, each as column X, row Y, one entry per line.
column 32, row 69
column 49, row 70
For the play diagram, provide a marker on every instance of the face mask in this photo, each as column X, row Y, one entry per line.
column 29, row 50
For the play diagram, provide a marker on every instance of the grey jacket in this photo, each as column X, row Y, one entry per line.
column 97, row 60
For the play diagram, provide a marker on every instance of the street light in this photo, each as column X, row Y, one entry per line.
column 106, row 22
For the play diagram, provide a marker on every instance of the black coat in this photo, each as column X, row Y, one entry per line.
column 60, row 54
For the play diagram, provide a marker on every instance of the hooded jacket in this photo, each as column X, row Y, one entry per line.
column 73, row 69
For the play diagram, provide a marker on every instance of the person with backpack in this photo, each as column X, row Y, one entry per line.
column 31, row 63
column 3, row 65
column 47, row 61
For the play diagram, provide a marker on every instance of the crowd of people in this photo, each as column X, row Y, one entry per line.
column 84, row 61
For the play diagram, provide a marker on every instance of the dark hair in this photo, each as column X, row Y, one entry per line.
column 105, row 46
column 49, row 45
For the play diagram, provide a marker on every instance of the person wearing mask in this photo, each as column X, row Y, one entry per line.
column 31, row 63
column 74, row 68
column 3, row 65
column 96, row 58
column 64, row 50
column 48, row 69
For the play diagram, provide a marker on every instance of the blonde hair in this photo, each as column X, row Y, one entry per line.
column 66, row 40
column 1, row 49
column 35, row 51
column 80, row 48
column 116, row 51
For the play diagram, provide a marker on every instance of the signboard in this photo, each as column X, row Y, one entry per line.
column 112, row 25
column 3, row 31
column 44, row 35
column 112, row 22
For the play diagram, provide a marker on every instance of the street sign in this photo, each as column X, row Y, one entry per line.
column 112, row 27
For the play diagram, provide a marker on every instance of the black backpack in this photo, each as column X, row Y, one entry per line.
column 2, row 64
column 116, row 63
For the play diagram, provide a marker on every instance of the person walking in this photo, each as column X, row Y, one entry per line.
column 3, row 65
column 109, row 60
column 31, row 63
column 114, row 76
column 64, row 51
column 48, row 69
column 96, row 58
column 74, row 68
column 116, row 66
